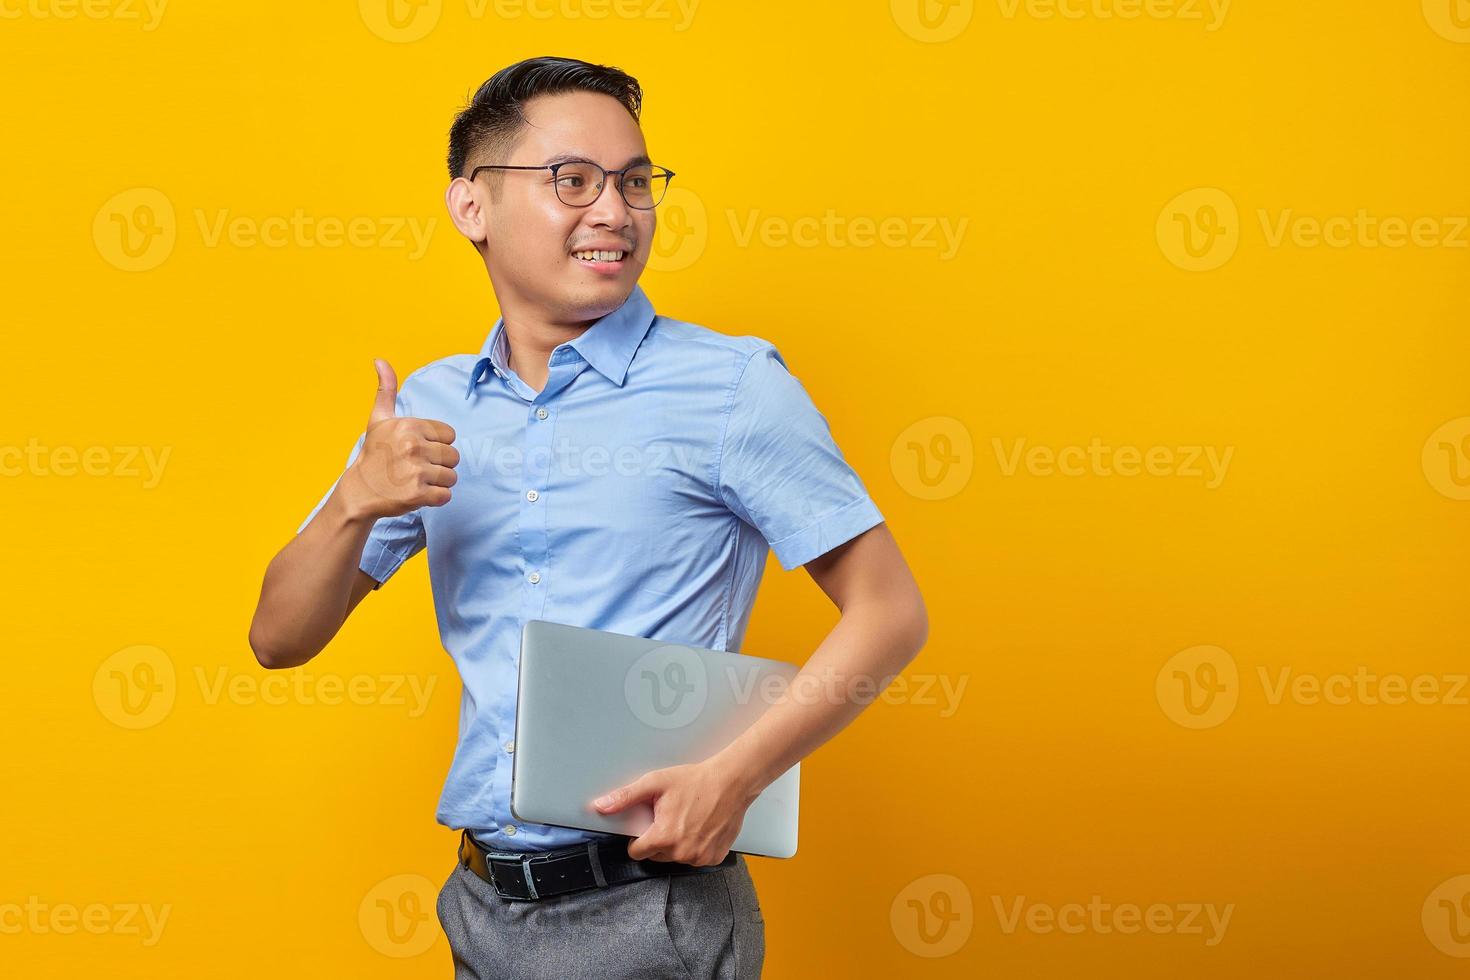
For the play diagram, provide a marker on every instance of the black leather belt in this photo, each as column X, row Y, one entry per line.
column 527, row 876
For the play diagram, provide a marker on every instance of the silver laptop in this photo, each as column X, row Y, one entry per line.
column 596, row 710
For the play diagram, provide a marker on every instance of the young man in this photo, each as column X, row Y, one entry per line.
column 599, row 465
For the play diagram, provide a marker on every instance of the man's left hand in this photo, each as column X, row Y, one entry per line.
column 697, row 812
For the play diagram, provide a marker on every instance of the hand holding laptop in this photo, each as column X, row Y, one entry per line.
column 600, row 713
column 698, row 810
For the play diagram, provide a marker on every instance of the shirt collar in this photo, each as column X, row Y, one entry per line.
column 608, row 345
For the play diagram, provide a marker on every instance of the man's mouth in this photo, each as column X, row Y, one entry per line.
column 600, row 256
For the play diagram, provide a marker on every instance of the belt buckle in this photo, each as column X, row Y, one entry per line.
column 525, row 860
column 536, row 857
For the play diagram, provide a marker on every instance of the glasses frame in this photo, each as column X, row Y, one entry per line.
column 664, row 172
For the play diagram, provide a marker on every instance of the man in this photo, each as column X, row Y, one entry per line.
column 622, row 471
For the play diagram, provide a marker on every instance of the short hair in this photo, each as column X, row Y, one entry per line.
column 492, row 121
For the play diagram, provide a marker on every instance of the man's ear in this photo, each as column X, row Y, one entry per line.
column 465, row 210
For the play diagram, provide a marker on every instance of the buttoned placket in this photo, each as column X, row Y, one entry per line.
column 536, row 457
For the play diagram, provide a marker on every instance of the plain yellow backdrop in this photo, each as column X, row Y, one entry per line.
column 1144, row 321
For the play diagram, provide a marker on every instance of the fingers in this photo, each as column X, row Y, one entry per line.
column 646, row 848
column 386, row 400
column 441, row 476
column 441, row 455
column 437, row 431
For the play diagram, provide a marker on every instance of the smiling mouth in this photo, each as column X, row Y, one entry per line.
column 594, row 257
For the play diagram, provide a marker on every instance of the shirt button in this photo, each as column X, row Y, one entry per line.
column 531, row 495
column 510, row 830
column 510, row 746
column 534, row 577
column 541, row 413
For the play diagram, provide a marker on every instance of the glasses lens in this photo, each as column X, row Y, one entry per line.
column 644, row 187
column 577, row 184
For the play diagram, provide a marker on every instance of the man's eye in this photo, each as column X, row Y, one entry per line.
column 639, row 182
column 571, row 180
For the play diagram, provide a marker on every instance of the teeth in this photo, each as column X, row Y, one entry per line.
column 600, row 256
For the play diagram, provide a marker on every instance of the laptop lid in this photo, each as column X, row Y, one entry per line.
column 595, row 710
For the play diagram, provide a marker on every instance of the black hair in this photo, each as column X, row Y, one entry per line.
column 488, row 126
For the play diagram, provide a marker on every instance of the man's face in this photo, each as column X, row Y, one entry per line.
column 531, row 235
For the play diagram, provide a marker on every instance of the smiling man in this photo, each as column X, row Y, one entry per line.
column 604, row 466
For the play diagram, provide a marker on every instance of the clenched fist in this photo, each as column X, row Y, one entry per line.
column 405, row 463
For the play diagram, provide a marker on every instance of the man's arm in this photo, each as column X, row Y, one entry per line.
column 311, row 586
column 316, row 580
column 883, row 626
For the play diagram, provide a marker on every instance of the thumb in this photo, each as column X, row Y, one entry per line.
column 384, row 405
column 644, row 787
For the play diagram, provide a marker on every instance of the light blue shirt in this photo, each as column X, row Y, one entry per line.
column 638, row 492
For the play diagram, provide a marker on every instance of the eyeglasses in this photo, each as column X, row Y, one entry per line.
column 579, row 182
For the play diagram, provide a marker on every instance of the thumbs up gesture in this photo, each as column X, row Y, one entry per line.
column 405, row 463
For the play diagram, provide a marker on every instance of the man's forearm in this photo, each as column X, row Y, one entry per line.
column 870, row 645
column 307, row 590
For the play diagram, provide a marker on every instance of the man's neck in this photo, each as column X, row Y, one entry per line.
column 532, row 339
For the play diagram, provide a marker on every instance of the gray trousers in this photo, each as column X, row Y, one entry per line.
column 705, row 925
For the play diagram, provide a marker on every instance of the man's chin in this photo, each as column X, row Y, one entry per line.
column 595, row 300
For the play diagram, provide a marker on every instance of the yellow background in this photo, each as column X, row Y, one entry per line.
column 1335, row 543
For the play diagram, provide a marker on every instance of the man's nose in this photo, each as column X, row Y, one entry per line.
column 609, row 209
